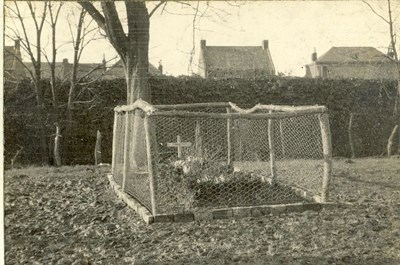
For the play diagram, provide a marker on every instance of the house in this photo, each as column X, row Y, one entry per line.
column 63, row 70
column 235, row 61
column 13, row 66
column 351, row 62
column 117, row 71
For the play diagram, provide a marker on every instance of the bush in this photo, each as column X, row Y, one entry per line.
column 372, row 100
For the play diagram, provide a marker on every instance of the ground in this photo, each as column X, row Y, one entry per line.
column 69, row 215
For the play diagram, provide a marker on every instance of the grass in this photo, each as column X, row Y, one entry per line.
column 69, row 215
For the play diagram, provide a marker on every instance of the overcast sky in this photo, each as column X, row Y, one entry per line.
column 293, row 28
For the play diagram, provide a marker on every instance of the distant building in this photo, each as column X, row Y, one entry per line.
column 351, row 62
column 117, row 71
column 13, row 67
column 235, row 61
column 63, row 70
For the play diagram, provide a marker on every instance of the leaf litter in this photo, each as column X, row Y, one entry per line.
column 69, row 215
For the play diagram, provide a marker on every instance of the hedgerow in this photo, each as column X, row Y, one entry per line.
column 371, row 101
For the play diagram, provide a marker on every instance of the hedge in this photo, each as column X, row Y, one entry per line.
column 371, row 100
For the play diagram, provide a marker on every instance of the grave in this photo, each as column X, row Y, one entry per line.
column 217, row 160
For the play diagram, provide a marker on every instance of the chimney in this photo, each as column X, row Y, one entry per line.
column 17, row 45
column 66, row 69
column 265, row 44
column 203, row 44
column 314, row 55
column 65, row 62
column 160, row 67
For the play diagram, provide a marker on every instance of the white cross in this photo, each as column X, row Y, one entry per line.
column 179, row 144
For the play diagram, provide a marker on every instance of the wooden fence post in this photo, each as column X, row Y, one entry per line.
column 391, row 140
column 198, row 140
column 271, row 142
column 327, row 151
column 229, row 131
column 351, row 142
column 238, row 132
column 114, row 143
column 97, row 149
column 126, row 150
column 150, row 131
column 282, row 138
column 57, row 158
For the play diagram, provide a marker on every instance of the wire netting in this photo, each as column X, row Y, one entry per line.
column 131, row 148
column 204, row 162
column 137, row 178
column 118, row 156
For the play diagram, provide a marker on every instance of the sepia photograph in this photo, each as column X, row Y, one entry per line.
column 200, row 132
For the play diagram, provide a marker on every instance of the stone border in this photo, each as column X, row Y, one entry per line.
column 215, row 214
column 130, row 201
column 307, row 195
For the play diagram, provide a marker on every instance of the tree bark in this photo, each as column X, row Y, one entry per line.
column 133, row 48
column 397, row 63
column 54, row 85
column 136, row 62
column 74, row 71
column 136, row 57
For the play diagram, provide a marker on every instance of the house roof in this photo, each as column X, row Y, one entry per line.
column 83, row 69
column 238, row 57
column 117, row 71
column 352, row 55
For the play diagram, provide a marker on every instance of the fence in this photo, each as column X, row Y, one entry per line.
column 192, row 157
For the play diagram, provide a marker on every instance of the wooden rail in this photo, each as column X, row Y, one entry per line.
column 278, row 115
column 283, row 108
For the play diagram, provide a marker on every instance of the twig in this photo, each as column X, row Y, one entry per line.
column 16, row 155
column 156, row 7
column 376, row 13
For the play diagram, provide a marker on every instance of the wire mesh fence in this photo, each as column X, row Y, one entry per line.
column 197, row 157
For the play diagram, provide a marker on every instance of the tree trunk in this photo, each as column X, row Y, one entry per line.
column 40, row 100
column 133, row 48
column 397, row 116
column 136, row 58
column 73, row 80
column 41, row 115
column 136, row 65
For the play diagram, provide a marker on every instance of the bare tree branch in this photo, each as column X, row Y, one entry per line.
column 114, row 29
column 156, row 7
column 94, row 13
column 94, row 69
column 193, row 37
column 375, row 12
column 24, row 31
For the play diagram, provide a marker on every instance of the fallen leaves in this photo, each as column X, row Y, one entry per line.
column 69, row 216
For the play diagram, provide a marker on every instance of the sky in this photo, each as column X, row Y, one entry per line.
column 294, row 29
